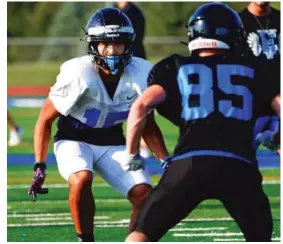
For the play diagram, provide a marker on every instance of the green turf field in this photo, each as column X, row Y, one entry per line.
column 38, row 74
column 49, row 218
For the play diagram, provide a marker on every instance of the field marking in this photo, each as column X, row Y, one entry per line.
column 54, row 218
column 118, row 200
column 53, row 186
column 118, row 222
column 40, row 224
column 188, row 219
column 208, row 234
column 69, row 223
column 242, row 239
column 213, row 219
column 197, row 229
column 15, row 215
column 49, row 219
column 125, row 222
column 271, row 182
column 63, row 201
column 112, row 226
column 265, row 182
column 234, row 239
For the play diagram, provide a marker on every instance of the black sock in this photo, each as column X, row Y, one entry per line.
column 86, row 237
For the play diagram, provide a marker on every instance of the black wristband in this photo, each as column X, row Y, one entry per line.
column 41, row 165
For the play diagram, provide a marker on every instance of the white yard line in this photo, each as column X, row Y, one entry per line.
column 234, row 239
column 112, row 226
column 69, row 223
column 40, row 224
column 118, row 200
column 15, row 215
column 208, row 234
column 197, row 229
column 265, row 182
column 63, row 201
column 121, row 222
column 207, row 219
column 213, row 219
column 271, row 182
column 52, row 186
column 241, row 239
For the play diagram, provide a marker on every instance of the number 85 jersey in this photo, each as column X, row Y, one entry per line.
column 87, row 111
column 216, row 100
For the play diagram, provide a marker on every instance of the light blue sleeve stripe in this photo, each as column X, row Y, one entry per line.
column 210, row 153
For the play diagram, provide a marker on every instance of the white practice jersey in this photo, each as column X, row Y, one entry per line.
column 79, row 93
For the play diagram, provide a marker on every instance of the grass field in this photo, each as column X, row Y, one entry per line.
column 39, row 74
column 49, row 220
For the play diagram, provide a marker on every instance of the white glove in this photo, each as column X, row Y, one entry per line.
column 132, row 162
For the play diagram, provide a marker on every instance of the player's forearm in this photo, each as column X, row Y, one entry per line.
column 154, row 139
column 275, row 104
column 135, row 125
column 137, row 118
column 42, row 134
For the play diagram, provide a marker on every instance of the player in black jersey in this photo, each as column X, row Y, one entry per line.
column 214, row 96
column 262, row 27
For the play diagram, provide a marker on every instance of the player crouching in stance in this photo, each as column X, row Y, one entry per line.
column 92, row 97
column 216, row 95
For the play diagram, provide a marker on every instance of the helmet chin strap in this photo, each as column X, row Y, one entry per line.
column 106, row 71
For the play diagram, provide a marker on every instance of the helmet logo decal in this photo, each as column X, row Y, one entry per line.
column 112, row 35
column 207, row 43
column 109, row 29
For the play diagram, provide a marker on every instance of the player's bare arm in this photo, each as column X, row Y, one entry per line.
column 42, row 135
column 137, row 117
column 154, row 138
column 42, row 131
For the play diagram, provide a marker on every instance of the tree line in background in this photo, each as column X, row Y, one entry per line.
column 66, row 19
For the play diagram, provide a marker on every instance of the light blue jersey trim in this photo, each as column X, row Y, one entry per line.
column 210, row 153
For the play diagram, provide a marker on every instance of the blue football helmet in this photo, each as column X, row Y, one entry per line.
column 110, row 25
column 216, row 26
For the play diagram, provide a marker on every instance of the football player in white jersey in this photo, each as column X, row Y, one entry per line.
column 92, row 96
